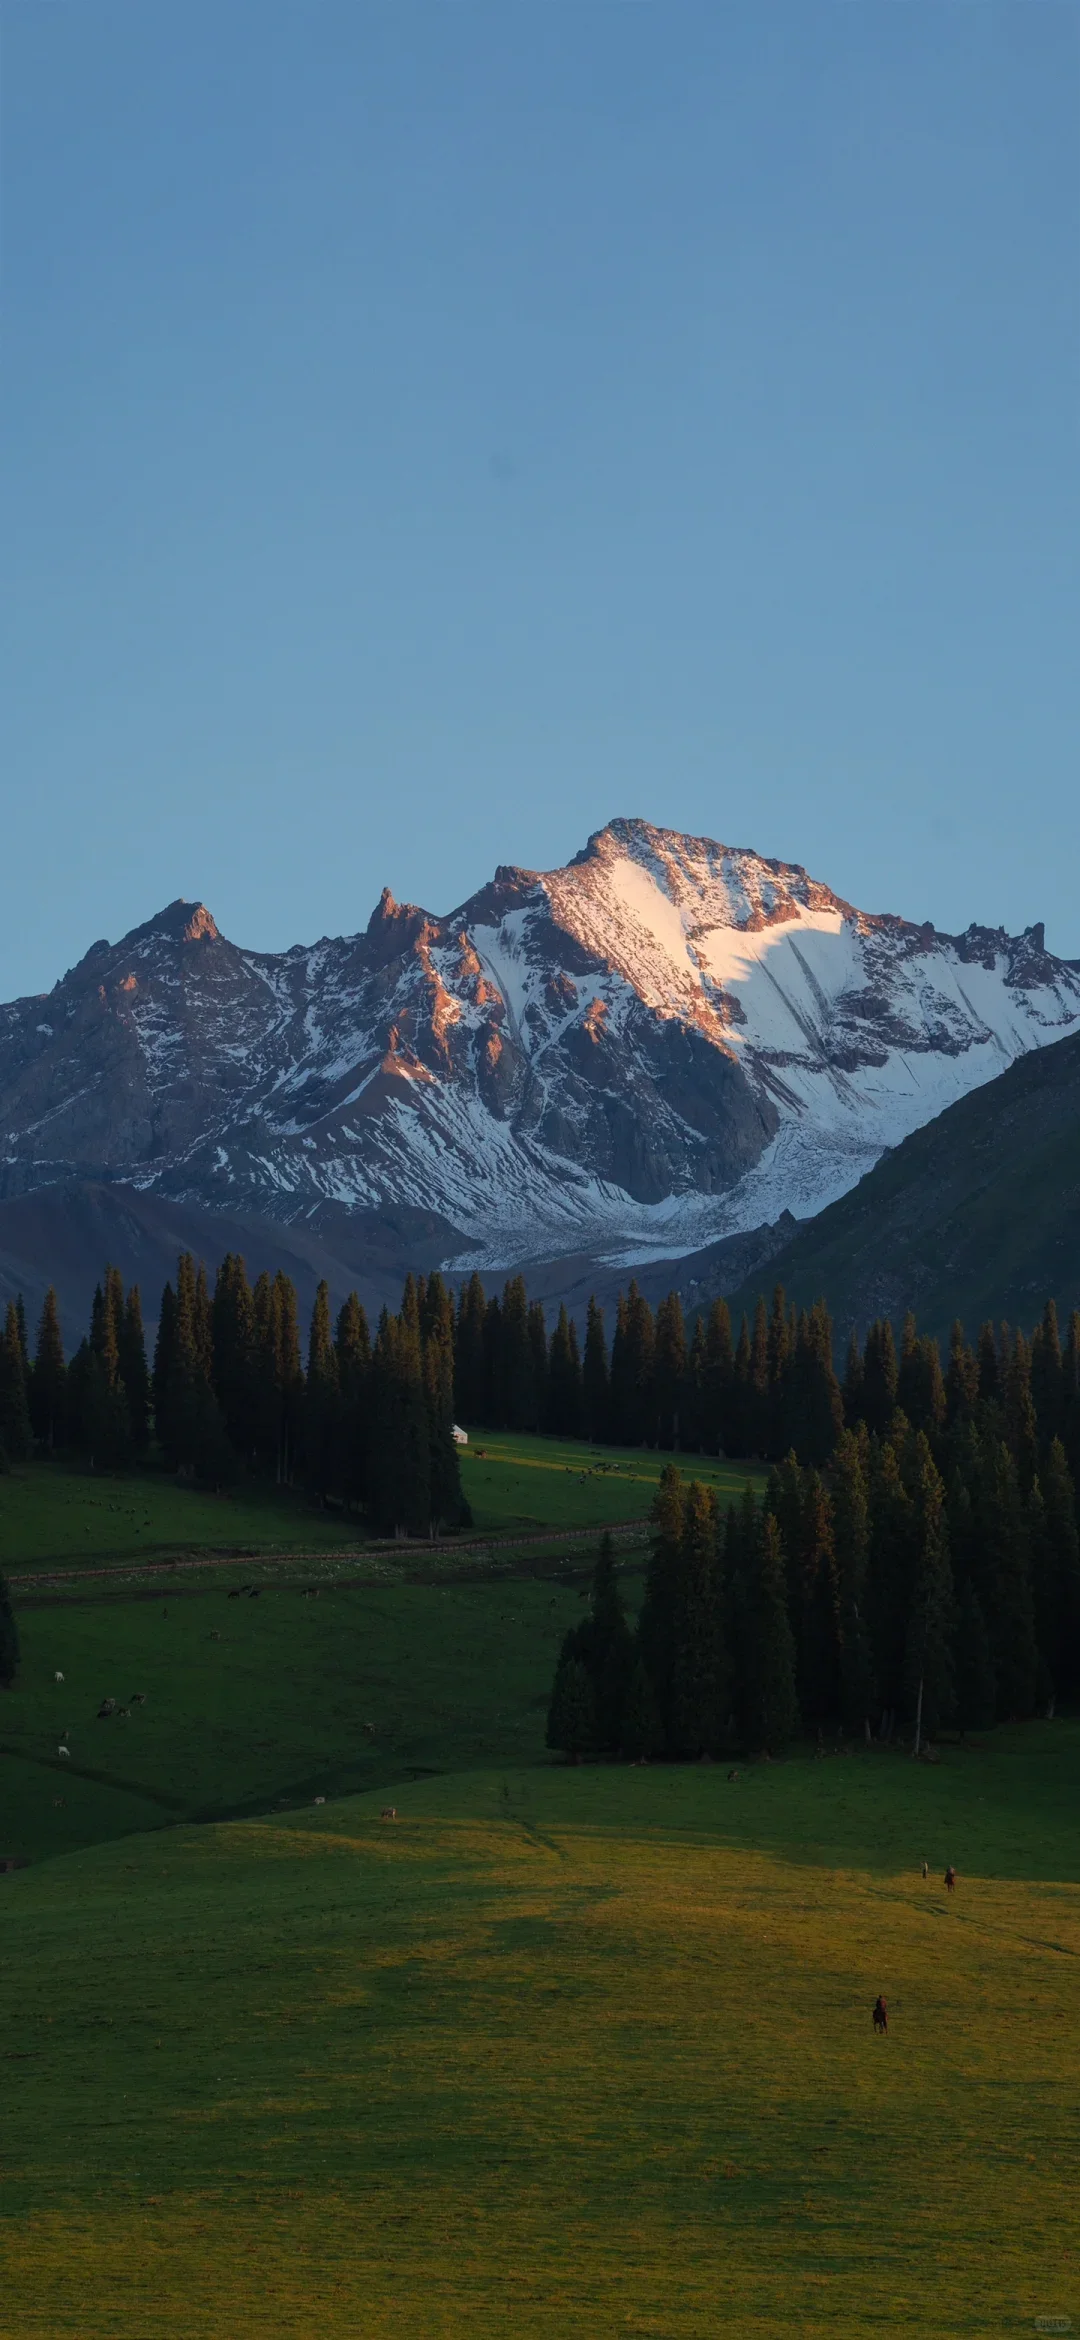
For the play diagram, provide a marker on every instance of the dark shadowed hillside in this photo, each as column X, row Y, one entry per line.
column 976, row 1215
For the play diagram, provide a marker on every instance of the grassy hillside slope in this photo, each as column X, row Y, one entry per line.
column 516, row 1485
column 976, row 1215
column 558, row 2053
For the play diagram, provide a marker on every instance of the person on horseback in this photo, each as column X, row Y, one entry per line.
column 881, row 2014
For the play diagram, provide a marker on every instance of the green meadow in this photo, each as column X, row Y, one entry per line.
column 516, row 1485
column 559, row 2050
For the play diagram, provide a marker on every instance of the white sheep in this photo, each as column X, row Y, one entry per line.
column 63, row 1750
column 58, row 1677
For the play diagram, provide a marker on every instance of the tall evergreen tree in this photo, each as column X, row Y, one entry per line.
column 1008, row 1605
column 700, row 1689
column 961, row 1379
column 595, row 1385
column 517, row 1371
column 564, row 1390
column 448, row 1509
column 471, row 1396
column 669, row 1366
column 880, row 1376
column 928, row 1665
column 770, row 1703
column 853, row 1382
column 1047, row 1376
column 48, row 1382
column 352, row 1347
column 235, row 1354
column 16, row 1435
column 571, row 1724
column 851, row 1534
column 134, row 1371
column 717, row 1384
column 973, row 1664
column 322, row 1401
column 656, row 1626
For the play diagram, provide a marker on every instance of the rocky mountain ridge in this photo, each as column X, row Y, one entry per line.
column 664, row 1044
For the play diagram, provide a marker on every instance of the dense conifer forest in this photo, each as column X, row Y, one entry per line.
column 913, row 1562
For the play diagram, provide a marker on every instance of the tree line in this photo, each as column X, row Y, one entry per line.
column 769, row 1390
column 367, row 1424
column 924, row 1572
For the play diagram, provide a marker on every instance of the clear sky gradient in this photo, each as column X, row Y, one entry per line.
column 431, row 429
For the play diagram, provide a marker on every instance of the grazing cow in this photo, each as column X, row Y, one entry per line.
column 733, row 1775
column 123, row 1713
column 369, row 1729
column 881, row 2015
column 320, row 1799
column 58, row 1803
column 235, row 1593
column 389, row 1812
column 63, row 1750
column 58, row 1677
column 138, row 1698
column 107, row 1707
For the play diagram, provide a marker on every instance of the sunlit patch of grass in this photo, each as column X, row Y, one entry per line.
column 556, row 2052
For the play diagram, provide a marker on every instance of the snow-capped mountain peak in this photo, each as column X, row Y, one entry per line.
column 666, row 1041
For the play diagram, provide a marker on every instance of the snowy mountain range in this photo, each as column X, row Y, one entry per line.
column 668, row 1042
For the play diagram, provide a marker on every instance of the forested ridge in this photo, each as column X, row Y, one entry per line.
column 914, row 1561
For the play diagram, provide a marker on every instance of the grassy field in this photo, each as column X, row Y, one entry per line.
column 578, row 2052
column 248, row 1700
column 561, row 2051
column 515, row 1485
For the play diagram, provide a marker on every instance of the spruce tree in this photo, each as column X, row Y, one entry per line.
column 961, row 1379
column 48, row 1381
column 1047, row 1377
column 1021, row 1427
column 641, row 1732
column 928, row 1665
column 595, row 1387
column 621, row 1383
column 889, row 1587
column 538, row 1353
column 815, row 1408
column 571, row 1725
column 235, row 1347
column 1057, row 1586
column 166, row 1358
column 517, row 1375
column 973, row 1665
column 641, row 1355
column 987, row 1355
column 669, row 1365
column 1009, row 1607
column 564, row 1392
column 16, row 1436
column 853, row 1382
column 880, row 1376
column 20, row 1319
column 352, row 1348
column 134, row 1372
column 770, row 1710
column 321, row 1404
column 718, row 1381
column 656, row 1626
column 448, row 1509
column 851, row 1533
column 700, row 1688
column 470, row 1364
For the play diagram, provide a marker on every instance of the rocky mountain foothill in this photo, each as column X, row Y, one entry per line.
column 654, row 1061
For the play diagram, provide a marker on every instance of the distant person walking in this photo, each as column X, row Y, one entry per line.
column 950, row 1878
column 926, row 1868
column 881, row 2014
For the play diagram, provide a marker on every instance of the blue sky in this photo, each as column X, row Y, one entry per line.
column 432, row 429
